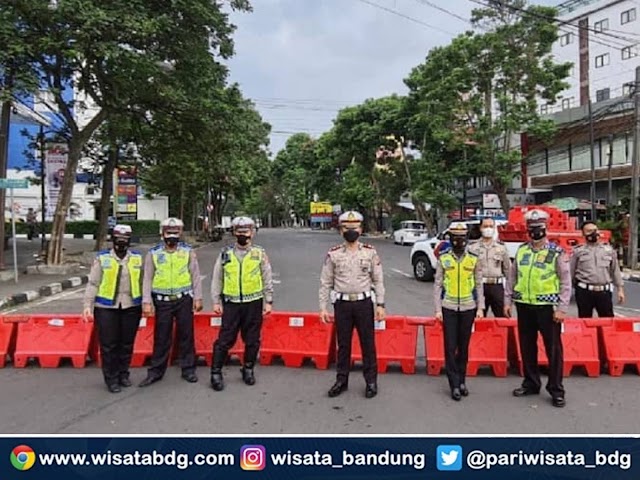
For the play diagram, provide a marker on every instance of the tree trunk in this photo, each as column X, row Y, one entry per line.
column 182, row 202
column 54, row 254
column 501, row 191
column 105, row 196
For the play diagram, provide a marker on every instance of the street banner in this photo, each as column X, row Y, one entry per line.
column 205, row 457
column 126, row 188
column 56, row 158
column 321, row 208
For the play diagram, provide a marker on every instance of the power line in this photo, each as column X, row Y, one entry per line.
column 442, row 9
column 407, row 17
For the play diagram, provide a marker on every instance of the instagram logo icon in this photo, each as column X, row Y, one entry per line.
column 253, row 457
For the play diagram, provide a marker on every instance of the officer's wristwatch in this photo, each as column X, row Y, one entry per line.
column 380, row 305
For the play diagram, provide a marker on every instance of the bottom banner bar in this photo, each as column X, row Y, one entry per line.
column 204, row 458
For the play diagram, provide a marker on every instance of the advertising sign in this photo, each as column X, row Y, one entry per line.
column 56, row 157
column 126, row 188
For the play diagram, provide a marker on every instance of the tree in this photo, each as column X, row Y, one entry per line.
column 480, row 91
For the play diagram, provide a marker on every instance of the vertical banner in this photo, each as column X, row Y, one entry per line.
column 56, row 157
column 126, row 188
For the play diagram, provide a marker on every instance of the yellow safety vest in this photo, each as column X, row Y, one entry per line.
column 242, row 281
column 108, row 288
column 172, row 275
column 459, row 282
column 537, row 282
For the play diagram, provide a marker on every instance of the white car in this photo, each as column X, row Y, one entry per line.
column 410, row 232
column 423, row 254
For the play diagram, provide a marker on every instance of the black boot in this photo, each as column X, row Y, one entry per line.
column 217, row 381
column 247, row 373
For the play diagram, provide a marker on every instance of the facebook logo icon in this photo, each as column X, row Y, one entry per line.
column 449, row 458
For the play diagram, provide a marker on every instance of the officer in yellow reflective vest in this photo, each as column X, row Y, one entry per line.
column 172, row 281
column 114, row 297
column 540, row 284
column 242, row 292
column 458, row 300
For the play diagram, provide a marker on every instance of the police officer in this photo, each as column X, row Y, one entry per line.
column 114, row 297
column 242, row 291
column 594, row 267
column 458, row 300
column 172, row 281
column 540, row 284
column 352, row 269
column 495, row 263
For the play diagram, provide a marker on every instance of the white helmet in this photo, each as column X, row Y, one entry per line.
column 243, row 223
column 171, row 227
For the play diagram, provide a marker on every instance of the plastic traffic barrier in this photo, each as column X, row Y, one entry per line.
column 580, row 344
column 206, row 330
column 396, row 342
column 296, row 336
column 621, row 342
column 51, row 337
column 7, row 340
column 488, row 346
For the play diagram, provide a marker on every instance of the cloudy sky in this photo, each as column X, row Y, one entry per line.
column 303, row 60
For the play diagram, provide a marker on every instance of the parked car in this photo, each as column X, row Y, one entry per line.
column 410, row 232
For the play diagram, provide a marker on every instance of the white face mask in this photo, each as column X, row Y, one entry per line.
column 487, row 232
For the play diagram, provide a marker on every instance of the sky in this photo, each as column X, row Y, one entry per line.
column 301, row 61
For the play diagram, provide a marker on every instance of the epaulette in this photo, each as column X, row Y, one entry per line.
column 257, row 247
column 368, row 245
column 334, row 248
column 156, row 248
column 184, row 245
column 135, row 252
column 554, row 246
column 472, row 254
column 103, row 252
column 499, row 242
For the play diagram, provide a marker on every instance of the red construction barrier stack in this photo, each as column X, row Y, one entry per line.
column 7, row 340
column 51, row 337
column 206, row 331
column 621, row 339
column 396, row 341
column 580, row 342
column 295, row 336
column 488, row 347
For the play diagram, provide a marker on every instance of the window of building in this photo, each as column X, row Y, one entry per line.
column 572, row 71
column 627, row 88
column 629, row 52
column 566, row 39
column 602, row 95
column 601, row 26
column 602, row 60
column 567, row 103
column 628, row 16
column 544, row 109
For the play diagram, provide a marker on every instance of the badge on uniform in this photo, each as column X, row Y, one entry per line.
column 255, row 255
column 162, row 258
column 448, row 264
column 106, row 263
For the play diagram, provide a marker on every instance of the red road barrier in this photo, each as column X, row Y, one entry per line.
column 488, row 346
column 206, row 330
column 396, row 341
column 50, row 338
column 580, row 342
column 621, row 341
column 294, row 336
column 7, row 340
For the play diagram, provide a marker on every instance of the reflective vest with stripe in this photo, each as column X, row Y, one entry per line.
column 459, row 281
column 537, row 282
column 108, row 288
column 172, row 275
column 242, row 281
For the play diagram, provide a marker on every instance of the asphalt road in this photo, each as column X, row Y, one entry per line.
column 287, row 400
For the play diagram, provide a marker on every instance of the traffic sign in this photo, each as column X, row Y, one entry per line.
column 14, row 183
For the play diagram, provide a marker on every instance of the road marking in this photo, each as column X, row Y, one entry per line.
column 402, row 273
column 52, row 298
column 276, row 282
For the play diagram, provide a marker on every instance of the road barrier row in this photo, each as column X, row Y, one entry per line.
column 296, row 337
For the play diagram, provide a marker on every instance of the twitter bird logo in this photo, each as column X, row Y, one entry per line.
column 449, row 458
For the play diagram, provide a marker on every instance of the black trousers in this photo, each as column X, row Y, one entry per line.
column 182, row 311
column 117, row 330
column 531, row 320
column 457, row 328
column 588, row 300
column 245, row 318
column 494, row 299
column 358, row 315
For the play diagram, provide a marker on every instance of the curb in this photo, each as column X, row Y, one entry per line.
column 631, row 277
column 44, row 291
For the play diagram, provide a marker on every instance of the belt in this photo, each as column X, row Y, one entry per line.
column 595, row 288
column 493, row 281
column 352, row 297
column 171, row 298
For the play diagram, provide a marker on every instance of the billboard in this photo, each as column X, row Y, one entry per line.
column 126, row 192
column 55, row 158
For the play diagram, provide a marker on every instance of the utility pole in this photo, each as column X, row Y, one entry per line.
column 635, row 172
column 609, row 176
column 5, row 121
column 593, row 164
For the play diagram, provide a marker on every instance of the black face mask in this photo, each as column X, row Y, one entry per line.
column 592, row 237
column 171, row 242
column 121, row 247
column 242, row 240
column 351, row 235
column 459, row 244
column 537, row 233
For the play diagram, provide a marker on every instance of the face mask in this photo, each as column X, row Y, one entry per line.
column 171, row 242
column 487, row 232
column 592, row 237
column 537, row 233
column 121, row 246
column 351, row 235
column 242, row 240
column 458, row 243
